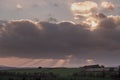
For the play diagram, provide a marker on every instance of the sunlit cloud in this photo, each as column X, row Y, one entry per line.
column 92, row 22
column 89, row 12
column 90, row 61
column 19, row 6
column 84, row 9
column 107, row 5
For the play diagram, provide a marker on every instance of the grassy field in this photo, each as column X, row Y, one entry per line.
column 57, row 71
column 63, row 73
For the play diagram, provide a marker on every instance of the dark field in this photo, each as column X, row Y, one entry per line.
column 56, row 74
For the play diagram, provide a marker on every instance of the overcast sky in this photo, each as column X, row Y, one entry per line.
column 59, row 33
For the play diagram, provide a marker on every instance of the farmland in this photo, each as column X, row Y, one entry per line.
column 52, row 74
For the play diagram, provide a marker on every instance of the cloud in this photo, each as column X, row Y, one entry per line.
column 25, row 38
column 44, row 40
column 107, row 5
column 84, row 9
column 52, row 19
column 93, row 20
column 90, row 61
column 19, row 6
column 26, row 62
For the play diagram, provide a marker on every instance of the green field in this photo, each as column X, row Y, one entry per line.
column 61, row 73
column 57, row 71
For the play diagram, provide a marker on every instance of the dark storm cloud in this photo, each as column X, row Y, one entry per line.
column 28, row 39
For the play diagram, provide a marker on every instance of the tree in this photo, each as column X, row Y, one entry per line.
column 39, row 67
column 119, row 72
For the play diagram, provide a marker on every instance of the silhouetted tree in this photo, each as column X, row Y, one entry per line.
column 102, row 66
column 39, row 67
column 119, row 72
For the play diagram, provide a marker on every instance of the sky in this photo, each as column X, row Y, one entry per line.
column 59, row 33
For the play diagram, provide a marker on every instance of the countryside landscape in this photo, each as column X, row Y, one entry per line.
column 90, row 72
column 59, row 39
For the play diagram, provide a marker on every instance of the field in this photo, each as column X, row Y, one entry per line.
column 57, row 71
column 47, row 74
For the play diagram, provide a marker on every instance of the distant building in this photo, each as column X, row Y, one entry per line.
column 93, row 66
column 98, row 68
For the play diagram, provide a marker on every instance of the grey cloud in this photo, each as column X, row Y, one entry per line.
column 28, row 39
column 99, row 16
column 52, row 19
